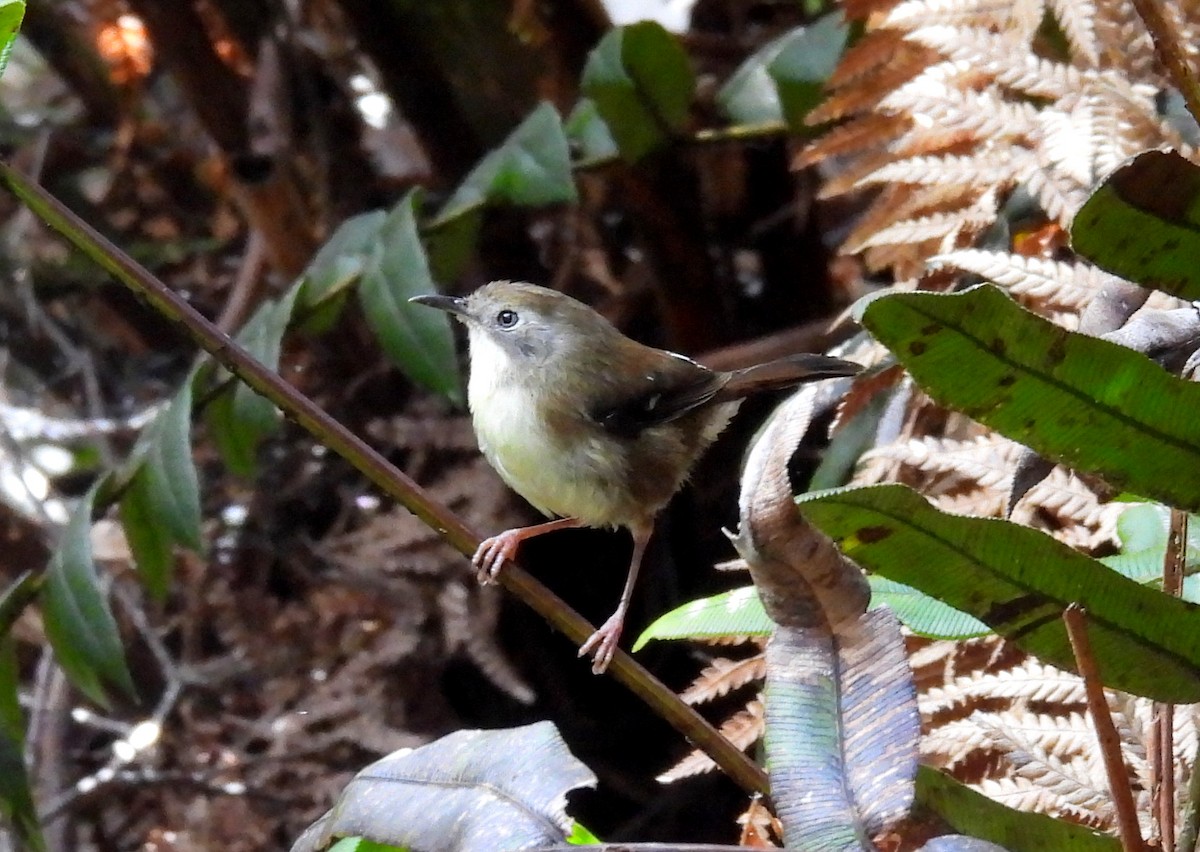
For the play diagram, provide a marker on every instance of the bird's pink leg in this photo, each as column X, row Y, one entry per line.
column 603, row 643
column 492, row 552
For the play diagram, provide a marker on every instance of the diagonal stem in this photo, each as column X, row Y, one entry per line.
column 1170, row 53
column 395, row 483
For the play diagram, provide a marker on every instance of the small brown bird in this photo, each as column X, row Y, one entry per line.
column 590, row 427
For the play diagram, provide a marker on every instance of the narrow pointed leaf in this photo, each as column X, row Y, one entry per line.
column 239, row 418
column 641, row 81
column 531, row 168
column 1143, row 223
column 470, row 791
column 161, row 504
column 1085, row 402
column 78, row 622
column 1018, row 580
column 734, row 613
column 16, row 795
column 417, row 339
column 922, row 614
column 739, row 612
column 11, row 14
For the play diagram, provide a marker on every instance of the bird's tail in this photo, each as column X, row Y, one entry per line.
column 784, row 373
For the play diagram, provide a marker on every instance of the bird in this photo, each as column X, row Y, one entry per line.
column 592, row 428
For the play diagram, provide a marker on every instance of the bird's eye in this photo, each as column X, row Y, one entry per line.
column 506, row 318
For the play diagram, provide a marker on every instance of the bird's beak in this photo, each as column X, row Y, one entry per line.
column 456, row 305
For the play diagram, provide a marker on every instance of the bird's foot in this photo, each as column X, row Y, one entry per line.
column 603, row 643
column 490, row 557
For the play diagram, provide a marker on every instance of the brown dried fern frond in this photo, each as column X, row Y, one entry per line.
column 978, row 72
column 722, row 676
column 743, row 729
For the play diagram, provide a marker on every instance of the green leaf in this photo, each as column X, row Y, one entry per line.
column 1143, row 531
column 239, row 418
column 581, row 835
column 11, row 14
column 785, row 79
column 641, row 81
column 532, row 168
column 417, row 340
column 1143, row 223
column 1018, row 581
column 1088, row 403
column 739, row 612
column 16, row 794
column 79, row 624
column 451, row 246
column 734, row 613
column 591, row 140
column 922, row 614
column 974, row 814
column 361, row 844
column 161, row 503
column 341, row 260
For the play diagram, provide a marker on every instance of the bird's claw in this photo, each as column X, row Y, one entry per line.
column 602, row 644
column 489, row 558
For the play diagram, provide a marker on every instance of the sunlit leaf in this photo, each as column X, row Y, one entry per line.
column 75, row 612
column 1076, row 399
column 739, row 612
column 1018, row 581
column 160, row 506
column 641, row 81
column 417, row 339
column 922, row 614
column 1143, row 223
column 531, row 168
column 1143, row 530
column 735, row 613
column 361, row 844
column 581, row 835
column 239, row 418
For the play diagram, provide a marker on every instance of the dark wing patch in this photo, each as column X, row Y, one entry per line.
column 662, row 396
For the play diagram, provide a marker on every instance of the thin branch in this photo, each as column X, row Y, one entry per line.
column 1162, row 755
column 1190, row 830
column 1075, row 619
column 396, row 484
column 1170, row 53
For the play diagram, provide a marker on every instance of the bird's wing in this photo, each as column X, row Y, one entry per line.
column 675, row 387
